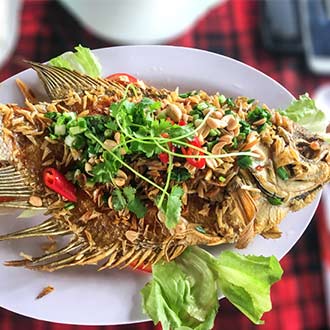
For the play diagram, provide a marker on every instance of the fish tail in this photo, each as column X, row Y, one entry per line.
column 14, row 192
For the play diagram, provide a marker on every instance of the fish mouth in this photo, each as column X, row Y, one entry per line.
column 306, row 193
column 269, row 194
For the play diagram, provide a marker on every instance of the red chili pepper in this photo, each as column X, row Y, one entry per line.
column 198, row 162
column 260, row 167
column 143, row 267
column 57, row 182
column 171, row 121
column 122, row 77
column 164, row 158
column 182, row 123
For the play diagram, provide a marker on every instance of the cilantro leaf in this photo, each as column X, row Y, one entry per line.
column 173, row 207
column 103, row 172
column 134, row 203
column 176, row 130
column 180, row 174
column 149, row 149
column 118, row 200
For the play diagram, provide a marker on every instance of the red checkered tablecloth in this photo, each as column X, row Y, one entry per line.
column 231, row 29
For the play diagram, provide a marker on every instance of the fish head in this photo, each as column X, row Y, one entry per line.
column 294, row 166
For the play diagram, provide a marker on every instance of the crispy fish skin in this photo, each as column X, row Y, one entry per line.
column 214, row 212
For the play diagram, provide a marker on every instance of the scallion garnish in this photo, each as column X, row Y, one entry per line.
column 275, row 200
column 282, row 173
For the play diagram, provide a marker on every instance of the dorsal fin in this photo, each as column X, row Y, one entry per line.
column 59, row 82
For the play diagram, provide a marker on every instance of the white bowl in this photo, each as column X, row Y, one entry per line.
column 82, row 295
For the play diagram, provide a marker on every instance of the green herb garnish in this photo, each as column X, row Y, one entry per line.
column 244, row 161
column 187, row 94
column 180, row 174
column 258, row 113
column 282, row 173
column 202, row 106
column 134, row 203
column 200, row 229
column 171, row 207
column 118, row 200
column 141, row 131
column 69, row 206
column 275, row 200
column 222, row 99
column 127, row 198
column 230, row 102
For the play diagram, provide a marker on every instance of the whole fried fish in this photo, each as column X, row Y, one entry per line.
column 232, row 169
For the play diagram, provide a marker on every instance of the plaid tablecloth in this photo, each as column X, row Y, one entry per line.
column 231, row 29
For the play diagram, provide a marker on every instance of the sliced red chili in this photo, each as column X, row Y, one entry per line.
column 143, row 267
column 182, row 123
column 260, row 167
column 57, row 182
column 163, row 157
column 125, row 77
column 197, row 162
column 171, row 121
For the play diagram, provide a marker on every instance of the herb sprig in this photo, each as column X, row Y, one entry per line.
column 141, row 131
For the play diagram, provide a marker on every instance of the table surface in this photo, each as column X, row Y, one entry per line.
column 231, row 29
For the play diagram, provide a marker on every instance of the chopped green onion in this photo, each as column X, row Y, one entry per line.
column 70, row 115
column 79, row 142
column 202, row 106
column 69, row 140
column 234, row 142
column 222, row 178
column 229, row 112
column 282, row 173
column 53, row 136
column 274, row 200
column 52, row 115
column 69, row 206
column 75, row 130
column 249, row 101
column 200, row 229
column 185, row 95
column 214, row 132
column 244, row 161
column 59, row 130
column 222, row 99
column 258, row 113
column 230, row 102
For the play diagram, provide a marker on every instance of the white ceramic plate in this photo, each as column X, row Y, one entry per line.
column 82, row 295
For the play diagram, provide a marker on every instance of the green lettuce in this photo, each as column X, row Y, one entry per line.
column 304, row 112
column 183, row 293
column 82, row 61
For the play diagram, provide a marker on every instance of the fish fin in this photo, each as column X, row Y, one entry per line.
column 59, row 82
column 12, row 184
column 14, row 192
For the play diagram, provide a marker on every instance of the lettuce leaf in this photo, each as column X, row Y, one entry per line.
column 83, row 60
column 304, row 112
column 183, row 293
column 246, row 280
